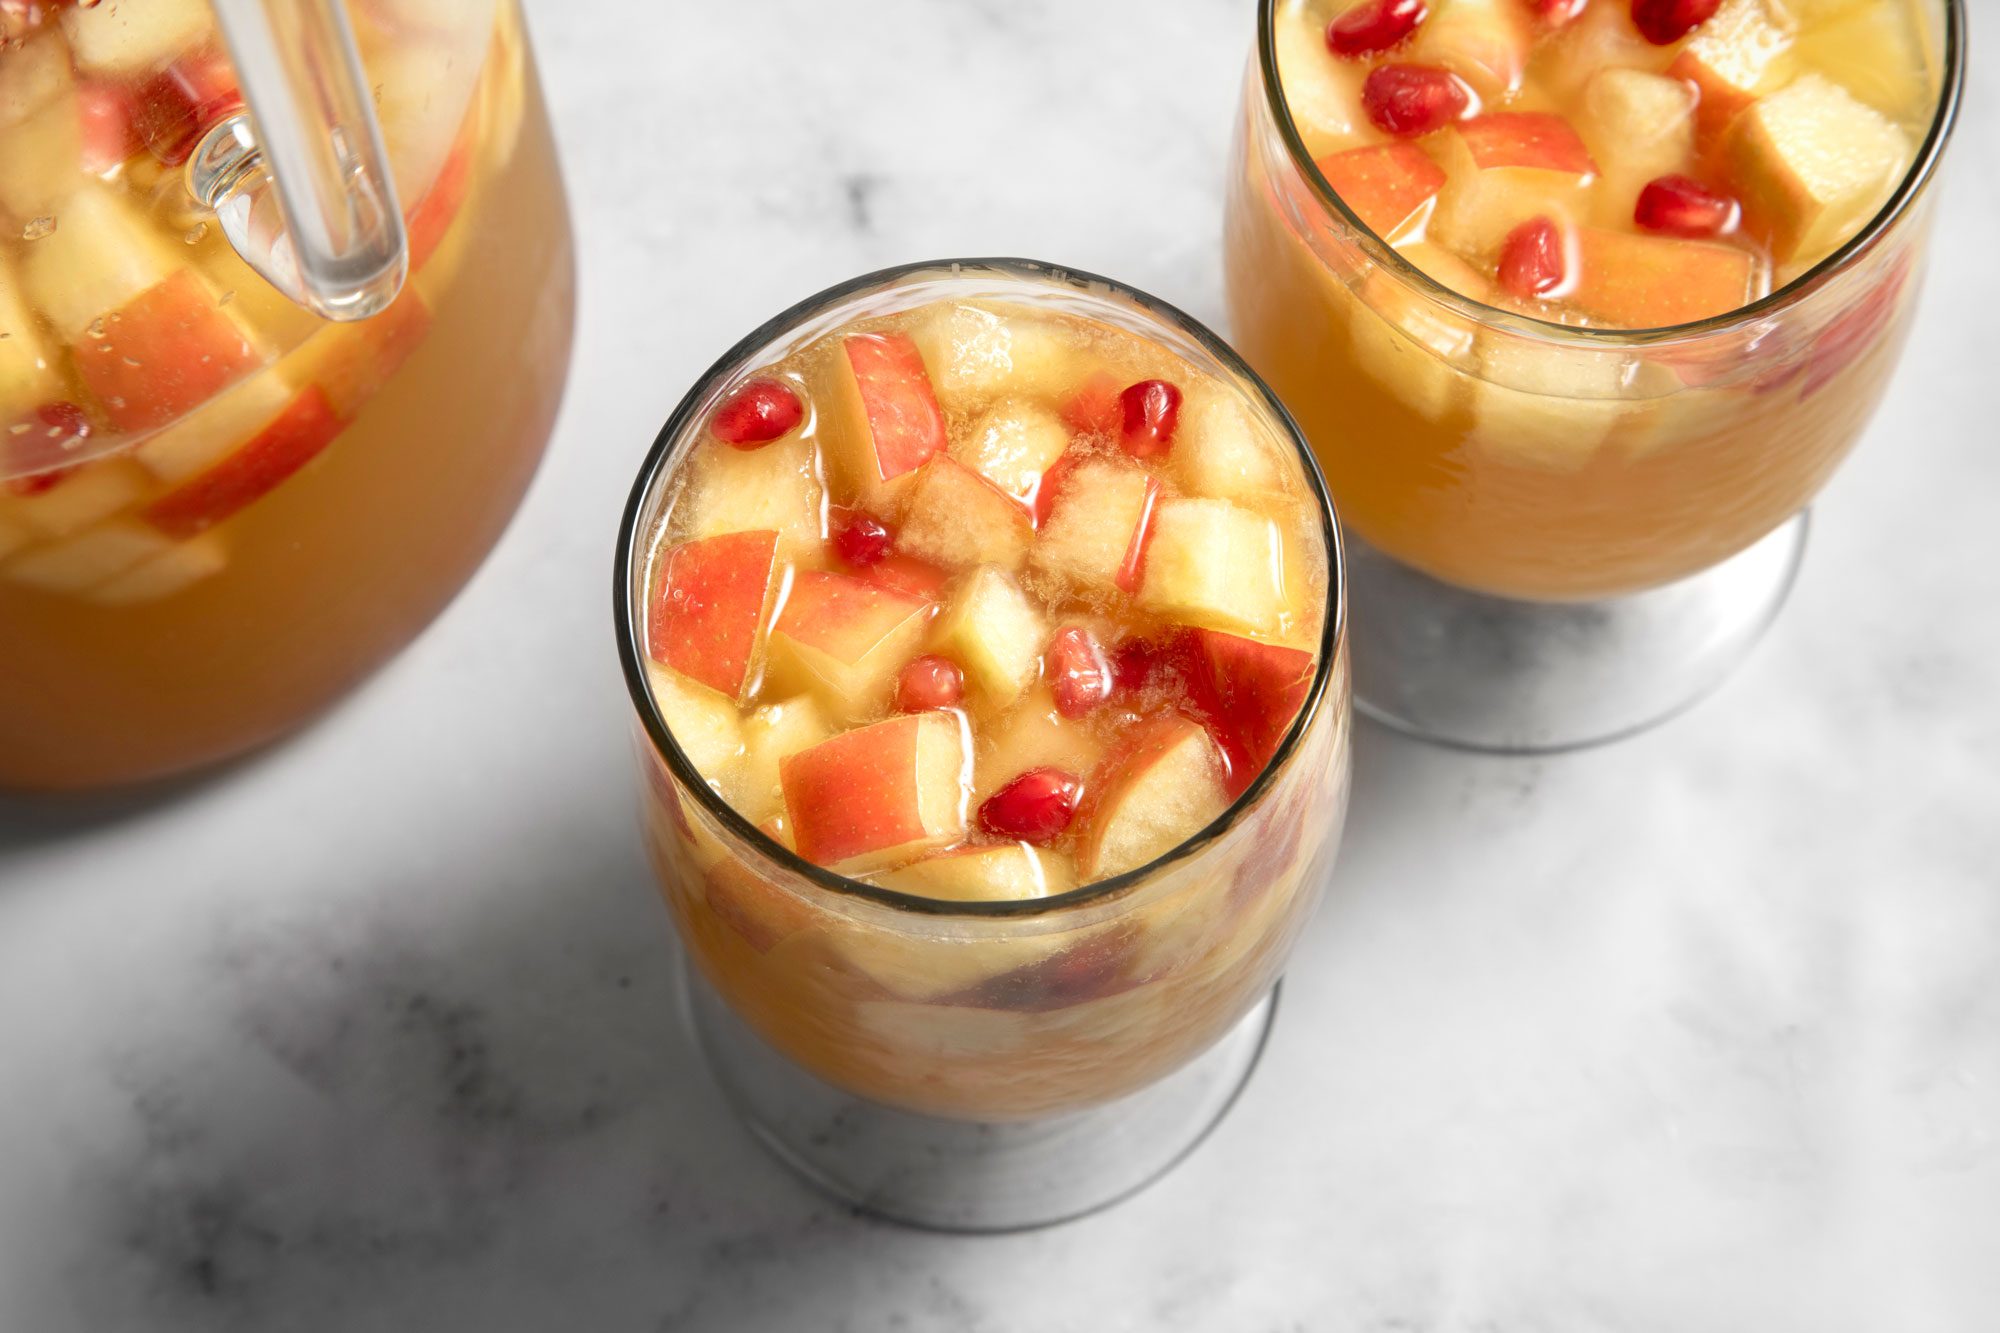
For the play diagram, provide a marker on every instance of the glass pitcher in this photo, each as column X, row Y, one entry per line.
column 286, row 292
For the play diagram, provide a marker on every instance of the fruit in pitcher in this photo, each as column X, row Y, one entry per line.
column 126, row 38
column 1324, row 93
column 180, row 103
column 252, row 469
column 889, row 420
column 174, row 570
column 1665, row 22
column 1216, row 564
column 995, row 633
column 709, row 607
column 28, row 377
column 878, row 795
column 844, row 639
column 1095, row 534
column 1640, row 126
column 1163, row 786
column 956, row 518
column 41, row 124
column 1078, row 672
column 1533, row 262
column 1391, row 187
column 1642, row 282
column 1812, row 163
column 860, row 539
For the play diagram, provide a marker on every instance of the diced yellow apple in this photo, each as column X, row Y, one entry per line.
column 705, row 724
column 40, row 126
column 744, row 490
column 883, row 421
column 92, row 493
column 1096, row 530
column 129, row 37
column 1005, row 873
column 28, row 376
column 1639, row 126
column 173, row 570
column 1405, row 341
column 215, row 429
column 32, row 75
column 1322, row 91
column 76, row 564
column 1215, row 564
column 995, row 633
column 1742, row 52
column 1631, row 280
column 1031, row 734
column 1812, row 163
column 976, row 354
column 1502, row 169
column 770, row 733
column 843, row 639
column 1546, row 407
column 1219, row 453
column 1012, row 445
column 1876, row 51
column 1161, row 788
column 879, row 795
column 1485, row 42
column 955, row 518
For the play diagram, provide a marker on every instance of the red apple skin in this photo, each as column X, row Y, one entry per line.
column 855, row 793
column 291, row 440
column 1094, row 409
column 761, row 912
column 165, row 352
column 1254, row 691
column 1638, row 281
column 907, row 574
column 389, row 340
column 1526, row 139
column 1094, row 967
column 709, row 603
column 1135, row 550
column 822, row 601
column 432, row 217
column 1385, row 184
column 903, row 418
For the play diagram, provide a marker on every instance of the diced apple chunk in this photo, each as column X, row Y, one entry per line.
column 995, row 633
column 1546, row 407
column 99, row 258
column 1391, row 187
column 40, row 126
column 76, row 564
column 1405, row 341
column 28, row 377
column 1012, row 445
column 1504, row 168
column 1257, row 688
column 1812, row 163
column 1163, row 787
column 1602, row 37
column 1635, row 281
column 744, row 490
column 214, row 430
column 90, row 494
column 770, row 733
column 1216, row 564
column 1639, row 126
column 1095, row 535
column 131, row 36
column 1008, row 872
column 1485, row 42
column 704, row 723
column 884, row 422
column 1322, row 92
column 1740, row 53
column 844, row 639
column 709, row 606
column 880, row 794
column 1219, row 453
column 976, row 354
column 1876, row 51
column 171, row 571
column 1031, row 734
column 957, row 519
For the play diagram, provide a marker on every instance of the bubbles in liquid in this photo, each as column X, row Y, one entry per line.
column 37, row 228
column 194, row 234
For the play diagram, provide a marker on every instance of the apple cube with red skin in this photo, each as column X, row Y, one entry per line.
column 762, row 913
column 1322, row 92
column 172, row 571
column 130, row 37
column 955, row 518
column 1504, row 168
column 1811, row 163
column 1634, row 281
column 1164, row 785
column 906, row 573
column 269, row 458
column 878, row 795
column 1219, row 453
column 78, row 563
column 886, row 422
column 1215, row 564
column 78, row 499
column 844, row 639
column 41, row 126
column 975, row 355
column 1096, row 531
column 1485, row 42
column 708, row 606
column 770, row 733
column 775, row 487
column 995, row 633
column 703, row 723
column 1741, row 52
column 1006, row 872
column 1391, row 187
column 1255, row 689
column 1012, row 445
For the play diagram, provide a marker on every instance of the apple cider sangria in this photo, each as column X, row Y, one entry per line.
column 217, row 511
column 994, row 619
column 1451, row 219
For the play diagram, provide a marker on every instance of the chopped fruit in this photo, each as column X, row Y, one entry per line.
column 41, row 126
column 1256, row 690
column 1374, row 25
column 1323, row 94
column 1095, row 536
column 769, row 734
column 1035, row 807
column 1391, row 187
column 180, row 103
column 1408, row 100
column 79, row 563
column 1683, row 206
column 1548, row 408
column 957, row 518
column 859, row 539
column 215, row 430
column 1639, row 126
column 1665, row 22
column 775, row 487
column 1031, row 734
column 1220, row 454
column 1149, row 412
column 127, row 38
column 1601, row 39
column 703, row 723
column 975, row 354
column 1164, row 786
column 891, row 425
column 1558, row 13
column 1525, row 139
column 758, row 412
column 86, row 496
column 996, row 633
column 764, row 914
column 108, row 123
column 291, row 440
column 1503, row 168
column 1077, row 671
column 929, row 682
column 28, row 375
column 1533, row 262
column 1876, row 51
column 1095, row 409
column 905, row 573
column 430, row 220
column 1012, row 445
column 1005, row 873
column 1213, row 563
column 172, row 571
column 709, row 606
column 1812, row 164
column 1738, row 54
column 1485, row 42
column 878, row 795
column 844, row 639
column 1644, row 282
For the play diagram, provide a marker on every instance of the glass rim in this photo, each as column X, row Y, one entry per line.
column 738, row 359
column 1384, row 255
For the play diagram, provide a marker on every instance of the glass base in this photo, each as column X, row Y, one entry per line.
column 1491, row 673
column 962, row 1175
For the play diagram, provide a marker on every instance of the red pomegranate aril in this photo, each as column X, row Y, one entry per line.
column 1374, row 25
column 1558, row 13
column 1408, row 100
column 1683, row 206
column 1152, row 409
column 929, row 682
column 859, row 539
column 1079, row 674
column 1664, row 22
column 1532, row 262
column 65, row 420
column 758, row 412
column 1036, row 807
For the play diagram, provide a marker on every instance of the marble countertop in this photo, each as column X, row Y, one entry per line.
column 380, row 1031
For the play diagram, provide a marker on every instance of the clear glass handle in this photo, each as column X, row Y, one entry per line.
column 301, row 184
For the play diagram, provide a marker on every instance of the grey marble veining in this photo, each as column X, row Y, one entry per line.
column 380, row 1031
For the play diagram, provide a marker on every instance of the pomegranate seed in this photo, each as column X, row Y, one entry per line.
column 1078, row 672
column 1558, row 13
column 929, row 682
column 759, row 412
column 65, row 421
column 1532, row 262
column 1409, row 100
column 1664, row 22
column 1035, row 807
column 860, row 539
column 1152, row 409
column 1133, row 663
column 1683, row 206
column 1374, row 25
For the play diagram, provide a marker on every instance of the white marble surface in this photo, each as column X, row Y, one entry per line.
column 1701, row 1032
